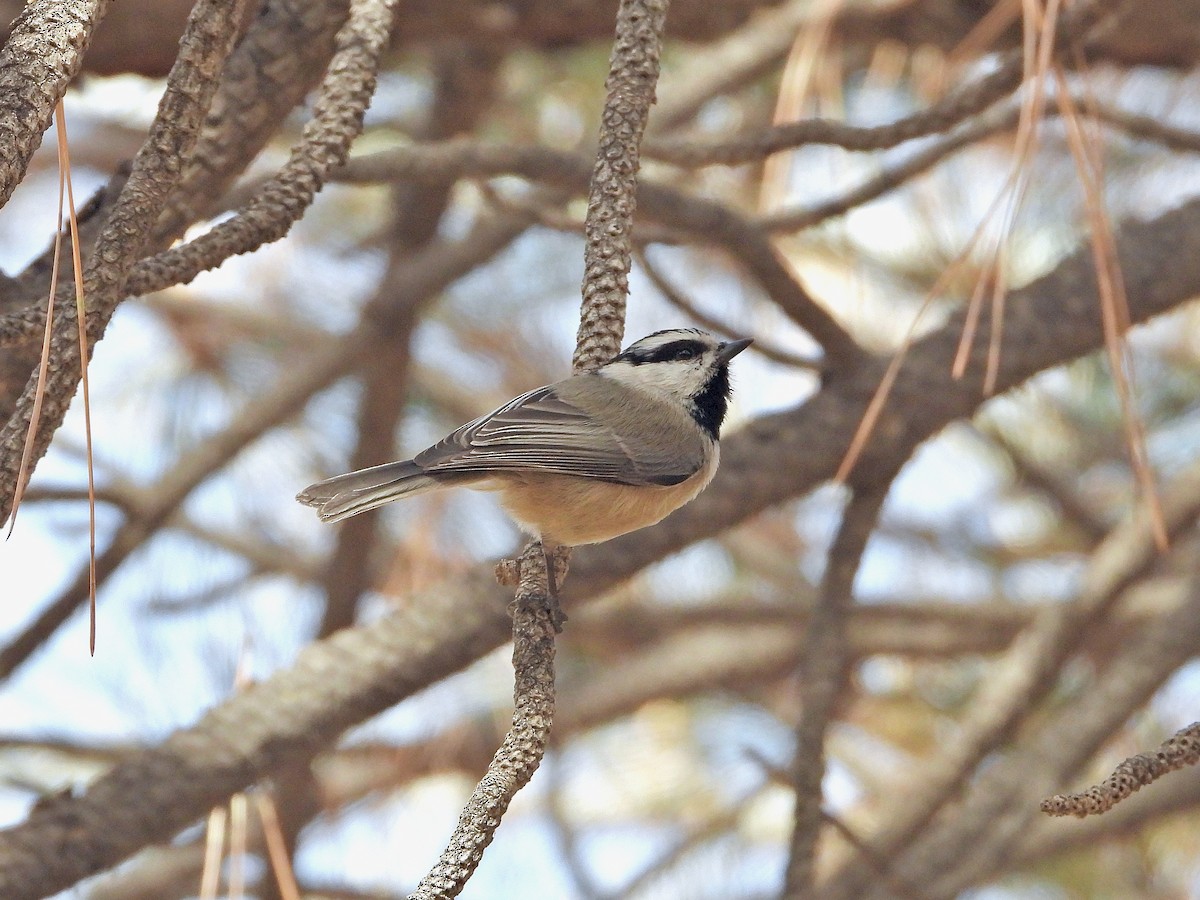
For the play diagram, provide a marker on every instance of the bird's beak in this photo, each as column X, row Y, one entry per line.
column 727, row 350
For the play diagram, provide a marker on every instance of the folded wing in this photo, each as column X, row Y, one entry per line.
column 542, row 432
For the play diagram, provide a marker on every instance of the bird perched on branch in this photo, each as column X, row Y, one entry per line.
column 582, row 460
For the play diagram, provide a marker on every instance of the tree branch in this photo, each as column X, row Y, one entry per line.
column 612, row 198
column 823, row 666
column 533, row 629
column 1180, row 750
column 156, row 171
column 42, row 55
column 706, row 221
column 944, row 115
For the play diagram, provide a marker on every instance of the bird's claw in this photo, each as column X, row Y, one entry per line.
column 558, row 562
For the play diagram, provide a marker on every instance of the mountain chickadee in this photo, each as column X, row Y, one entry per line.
column 581, row 460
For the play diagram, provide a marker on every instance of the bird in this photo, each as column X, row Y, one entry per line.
column 580, row 461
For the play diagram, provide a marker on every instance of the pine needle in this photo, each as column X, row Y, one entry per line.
column 281, row 866
column 66, row 196
column 1114, row 305
column 214, row 842
column 64, row 157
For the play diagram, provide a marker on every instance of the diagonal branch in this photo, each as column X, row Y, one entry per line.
column 156, row 172
column 282, row 55
column 1180, row 750
column 336, row 121
column 823, row 668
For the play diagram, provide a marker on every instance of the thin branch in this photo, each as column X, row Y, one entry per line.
column 891, row 177
column 612, row 197
column 534, row 627
column 1180, row 750
column 1147, row 128
column 1049, row 838
column 823, row 668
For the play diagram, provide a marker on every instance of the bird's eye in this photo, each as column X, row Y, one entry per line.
column 685, row 353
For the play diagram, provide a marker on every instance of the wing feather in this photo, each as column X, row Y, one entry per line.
column 540, row 431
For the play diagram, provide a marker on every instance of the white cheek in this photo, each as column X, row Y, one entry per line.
column 671, row 379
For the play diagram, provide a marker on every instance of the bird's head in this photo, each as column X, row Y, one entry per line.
column 681, row 365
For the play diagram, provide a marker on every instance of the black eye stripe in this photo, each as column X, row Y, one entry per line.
column 663, row 352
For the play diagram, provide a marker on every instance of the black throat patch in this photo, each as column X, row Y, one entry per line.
column 709, row 406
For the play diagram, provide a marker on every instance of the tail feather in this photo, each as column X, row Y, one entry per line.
column 348, row 495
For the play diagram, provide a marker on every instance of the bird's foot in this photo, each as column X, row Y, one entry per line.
column 558, row 564
column 557, row 561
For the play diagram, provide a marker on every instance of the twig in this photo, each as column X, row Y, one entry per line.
column 608, row 225
column 1048, row 838
column 1147, row 128
column 797, row 219
column 943, row 117
column 1180, row 750
column 534, row 628
column 336, row 121
column 823, row 665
